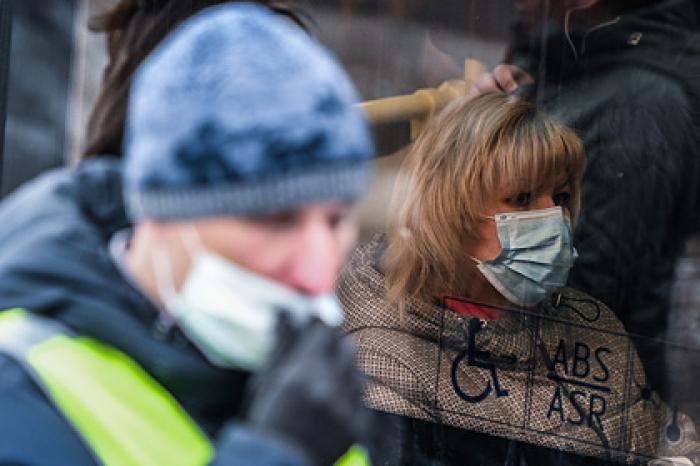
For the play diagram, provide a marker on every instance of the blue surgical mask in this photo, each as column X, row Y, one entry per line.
column 536, row 255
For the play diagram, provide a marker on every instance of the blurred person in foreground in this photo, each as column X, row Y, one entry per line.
column 464, row 327
column 624, row 74
column 132, row 324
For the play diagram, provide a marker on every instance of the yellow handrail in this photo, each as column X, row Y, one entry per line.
column 420, row 106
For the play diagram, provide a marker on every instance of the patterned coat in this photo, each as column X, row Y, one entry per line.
column 564, row 377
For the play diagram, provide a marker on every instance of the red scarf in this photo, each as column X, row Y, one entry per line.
column 467, row 309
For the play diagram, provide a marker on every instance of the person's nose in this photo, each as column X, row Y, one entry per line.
column 316, row 262
column 543, row 201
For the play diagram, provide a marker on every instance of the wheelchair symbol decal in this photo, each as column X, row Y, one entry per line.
column 479, row 359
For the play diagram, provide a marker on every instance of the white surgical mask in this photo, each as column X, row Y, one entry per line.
column 230, row 313
column 536, row 255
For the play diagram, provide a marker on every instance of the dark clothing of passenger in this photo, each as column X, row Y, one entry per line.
column 631, row 90
column 422, row 443
column 54, row 261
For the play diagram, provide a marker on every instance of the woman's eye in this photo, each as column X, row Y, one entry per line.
column 522, row 199
column 562, row 199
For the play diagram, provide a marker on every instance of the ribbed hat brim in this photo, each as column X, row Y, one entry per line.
column 275, row 194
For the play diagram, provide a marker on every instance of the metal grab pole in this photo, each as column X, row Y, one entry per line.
column 420, row 106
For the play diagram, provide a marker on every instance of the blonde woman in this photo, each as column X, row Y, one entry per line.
column 471, row 342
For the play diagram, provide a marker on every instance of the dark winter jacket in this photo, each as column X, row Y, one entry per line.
column 54, row 261
column 630, row 89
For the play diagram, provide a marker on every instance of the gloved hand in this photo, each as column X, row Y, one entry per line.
column 310, row 393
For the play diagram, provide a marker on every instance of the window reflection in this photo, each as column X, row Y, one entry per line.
column 623, row 75
column 604, row 371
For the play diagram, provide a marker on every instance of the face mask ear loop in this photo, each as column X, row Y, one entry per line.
column 493, row 218
column 191, row 240
column 163, row 274
column 162, row 265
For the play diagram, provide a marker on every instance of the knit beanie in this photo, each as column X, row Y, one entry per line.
column 240, row 112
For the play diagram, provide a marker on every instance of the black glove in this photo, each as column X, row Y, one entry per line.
column 310, row 393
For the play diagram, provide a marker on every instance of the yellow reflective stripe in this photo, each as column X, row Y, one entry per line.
column 126, row 417
column 356, row 456
column 11, row 318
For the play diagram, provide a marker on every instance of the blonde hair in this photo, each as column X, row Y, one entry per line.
column 469, row 153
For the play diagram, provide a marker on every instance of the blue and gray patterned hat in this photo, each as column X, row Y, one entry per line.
column 240, row 112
